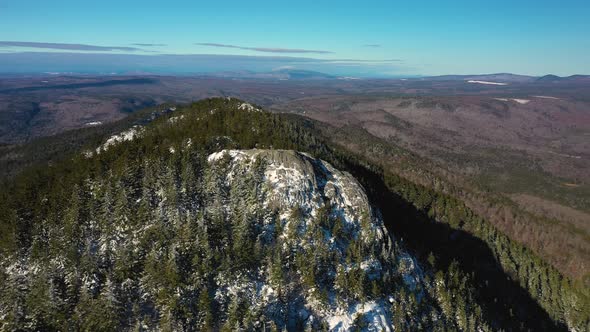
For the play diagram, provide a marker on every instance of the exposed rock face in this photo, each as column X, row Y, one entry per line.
column 297, row 180
column 310, row 197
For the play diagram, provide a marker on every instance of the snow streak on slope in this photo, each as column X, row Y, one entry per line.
column 486, row 82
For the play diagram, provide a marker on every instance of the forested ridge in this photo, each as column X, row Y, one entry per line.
column 474, row 277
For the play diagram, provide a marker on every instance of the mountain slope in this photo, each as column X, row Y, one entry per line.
column 265, row 236
column 328, row 245
column 233, row 232
column 186, row 240
column 165, row 230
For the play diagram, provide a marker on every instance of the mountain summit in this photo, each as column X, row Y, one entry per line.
column 169, row 236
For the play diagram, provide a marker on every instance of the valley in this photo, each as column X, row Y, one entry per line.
column 503, row 148
column 499, row 170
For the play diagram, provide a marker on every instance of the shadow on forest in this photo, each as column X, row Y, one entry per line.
column 505, row 303
column 101, row 84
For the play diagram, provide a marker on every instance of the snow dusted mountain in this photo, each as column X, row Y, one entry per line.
column 330, row 246
column 264, row 238
column 210, row 217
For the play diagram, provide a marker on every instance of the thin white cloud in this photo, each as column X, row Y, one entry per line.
column 266, row 49
column 66, row 46
column 148, row 44
column 102, row 62
column 283, row 68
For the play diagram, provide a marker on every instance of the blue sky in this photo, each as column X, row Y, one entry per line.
column 423, row 37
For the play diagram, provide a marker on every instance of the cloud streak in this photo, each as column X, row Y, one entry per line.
column 372, row 45
column 69, row 47
column 266, row 49
column 186, row 64
column 148, row 45
column 364, row 60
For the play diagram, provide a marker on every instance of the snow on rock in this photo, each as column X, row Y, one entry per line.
column 294, row 180
column 127, row 135
column 175, row 119
column 216, row 156
column 409, row 271
column 375, row 314
column 248, row 107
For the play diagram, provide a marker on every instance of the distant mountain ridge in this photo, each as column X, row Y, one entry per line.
column 508, row 78
column 283, row 74
column 555, row 78
column 502, row 77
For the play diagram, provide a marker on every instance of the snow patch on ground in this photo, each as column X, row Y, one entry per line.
column 486, row 82
column 566, row 155
column 520, row 101
column 546, row 97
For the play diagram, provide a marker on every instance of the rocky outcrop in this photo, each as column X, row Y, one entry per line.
column 303, row 191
